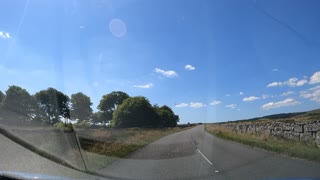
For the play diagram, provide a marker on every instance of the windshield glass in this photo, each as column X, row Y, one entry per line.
column 141, row 89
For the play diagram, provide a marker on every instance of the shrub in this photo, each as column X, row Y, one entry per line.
column 135, row 112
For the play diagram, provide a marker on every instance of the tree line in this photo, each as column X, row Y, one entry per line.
column 117, row 108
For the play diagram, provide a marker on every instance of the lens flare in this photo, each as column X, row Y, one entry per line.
column 118, row 28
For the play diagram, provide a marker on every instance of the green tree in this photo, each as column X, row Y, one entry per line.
column 18, row 100
column 167, row 116
column 2, row 96
column 97, row 117
column 109, row 103
column 80, row 107
column 40, row 114
column 135, row 112
column 54, row 104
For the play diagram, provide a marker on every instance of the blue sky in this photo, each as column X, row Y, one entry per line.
column 210, row 60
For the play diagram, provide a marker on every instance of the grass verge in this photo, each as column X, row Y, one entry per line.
column 121, row 142
column 287, row 147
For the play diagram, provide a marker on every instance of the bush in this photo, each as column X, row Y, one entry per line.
column 83, row 124
column 135, row 112
column 167, row 116
column 63, row 126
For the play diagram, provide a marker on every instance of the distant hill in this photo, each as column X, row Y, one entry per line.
column 295, row 116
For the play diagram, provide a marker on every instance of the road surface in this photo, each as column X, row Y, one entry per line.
column 196, row 154
column 190, row 154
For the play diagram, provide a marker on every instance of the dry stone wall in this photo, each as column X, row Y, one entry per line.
column 298, row 131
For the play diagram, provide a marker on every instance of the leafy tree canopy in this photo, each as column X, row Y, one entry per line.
column 51, row 105
column 54, row 103
column 135, row 112
column 18, row 100
column 80, row 107
column 1, row 97
column 100, row 117
column 109, row 102
column 167, row 116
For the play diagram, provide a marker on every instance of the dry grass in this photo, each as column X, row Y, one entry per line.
column 264, row 141
column 121, row 142
column 103, row 146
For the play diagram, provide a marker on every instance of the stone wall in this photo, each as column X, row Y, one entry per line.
column 298, row 131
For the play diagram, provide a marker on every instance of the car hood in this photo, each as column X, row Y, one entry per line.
column 24, row 175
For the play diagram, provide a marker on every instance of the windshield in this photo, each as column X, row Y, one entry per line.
column 159, row 89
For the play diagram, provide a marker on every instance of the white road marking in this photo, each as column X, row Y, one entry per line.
column 205, row 158
column 216, row 171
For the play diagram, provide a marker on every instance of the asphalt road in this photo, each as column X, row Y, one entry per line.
column 191, row 154
column 196, row 154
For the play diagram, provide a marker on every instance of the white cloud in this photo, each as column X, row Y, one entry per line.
column 228, row 95
column 265, row 96
column 292, row 82
column 275, row 69
column 169, row 73
column 251, row 98
column 241, row 93
column 192, row 104
column 181, row 105
column 145, row 86
column 231, row 106
column 197, row 105
column 295, row 82
column 312, row 94
column 274, row 84
column 287, row 93
column 213, row 103
column 284, row 103
column 315, row 78
column 189, row 67
column 302, row 82
column 306, row 94
column 315, row 88
column 4, row 35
